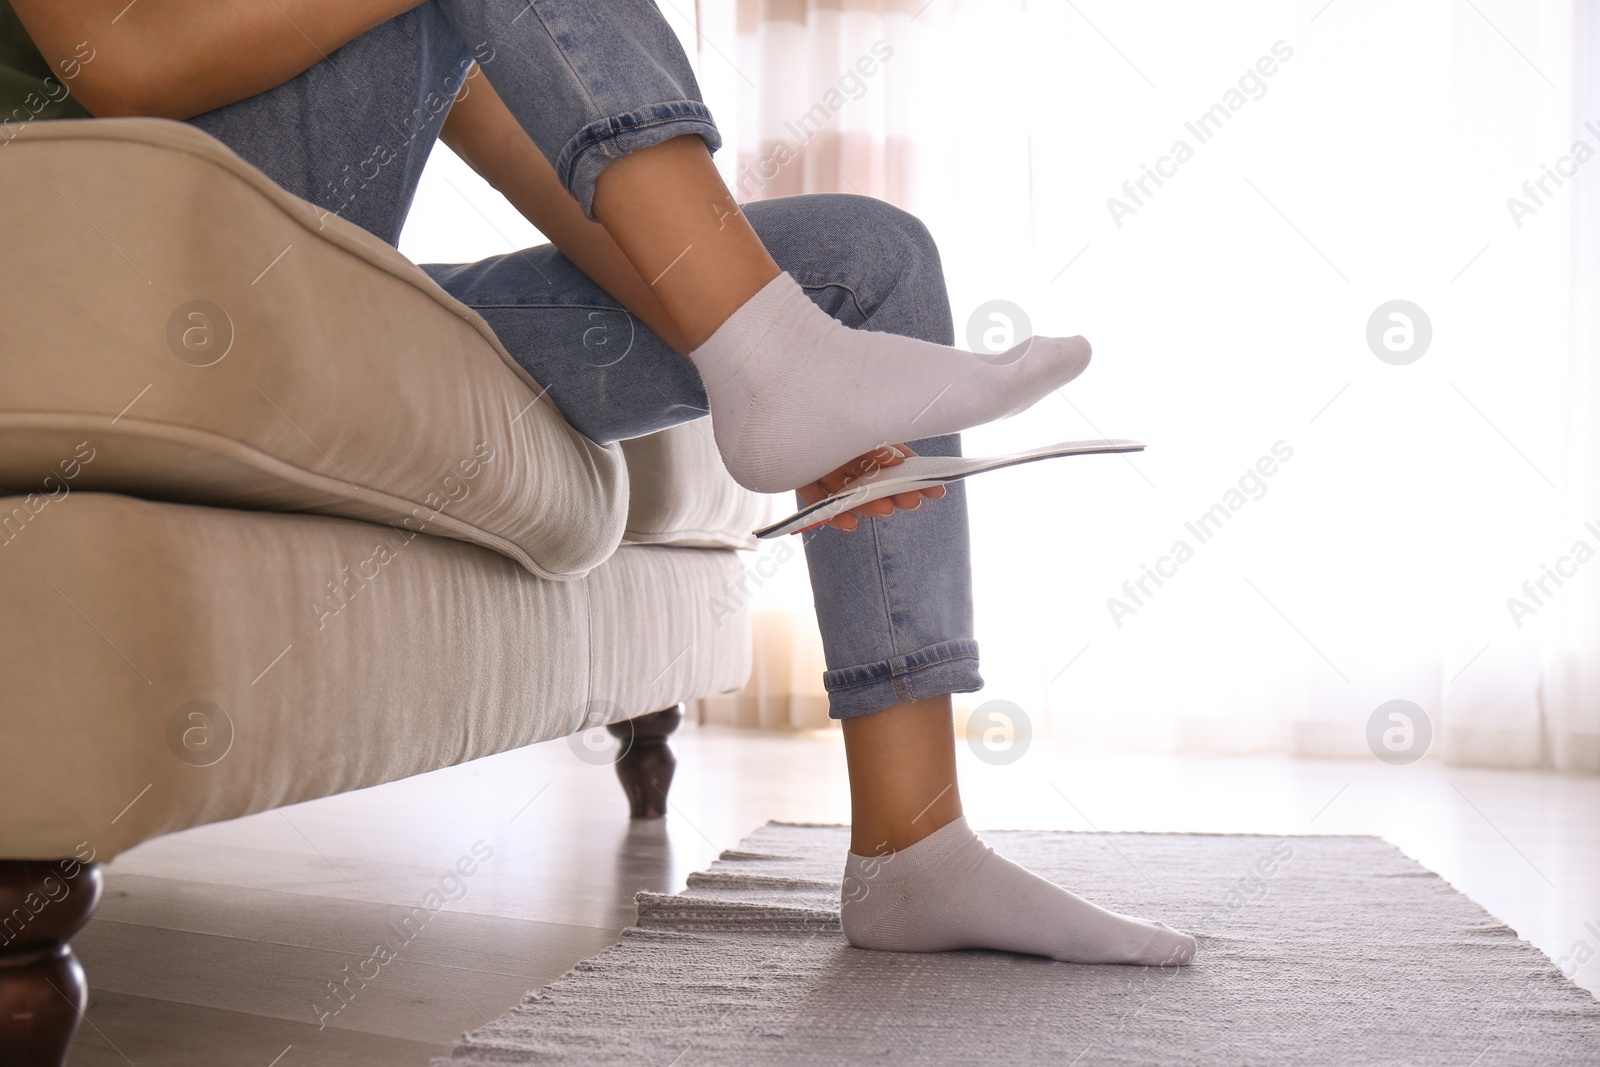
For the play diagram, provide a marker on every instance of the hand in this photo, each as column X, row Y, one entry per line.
column 861, row 467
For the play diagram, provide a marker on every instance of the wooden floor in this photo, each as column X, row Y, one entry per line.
column 216, row 946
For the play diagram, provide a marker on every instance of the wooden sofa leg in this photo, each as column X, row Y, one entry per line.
column 42, row 989
column 647, row 762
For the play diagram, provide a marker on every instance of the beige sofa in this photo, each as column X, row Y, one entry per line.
column 279, row 518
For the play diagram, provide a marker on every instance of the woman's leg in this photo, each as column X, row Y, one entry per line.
column 351, row 134
column 903, row 785
column 893, row 597
column 606, row 93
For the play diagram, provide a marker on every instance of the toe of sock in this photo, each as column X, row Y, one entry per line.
column 1072, row 357
column 1046, row 364
column 1168, row 947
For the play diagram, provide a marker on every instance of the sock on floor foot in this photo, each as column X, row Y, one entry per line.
column 950, row 891
column 795, row 394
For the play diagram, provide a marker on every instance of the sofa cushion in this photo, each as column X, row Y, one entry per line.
column 339, row 653
column 679, row 493
column 180, row 328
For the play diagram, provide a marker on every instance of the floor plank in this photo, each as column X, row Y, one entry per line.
column 449, row 937
column 409, row 996
column 150, row 1032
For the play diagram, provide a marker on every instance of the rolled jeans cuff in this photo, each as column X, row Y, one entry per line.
column 946, row 667
column 604, row 141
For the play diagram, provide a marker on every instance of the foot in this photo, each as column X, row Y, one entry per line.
column 950, row 891
column 795, row 394
column 861, row 467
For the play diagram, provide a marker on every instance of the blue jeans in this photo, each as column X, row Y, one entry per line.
column 590, row 82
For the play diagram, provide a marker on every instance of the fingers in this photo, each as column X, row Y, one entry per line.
column 880, row 508
column 910, row 501
column 862, row 466
column 850, row 520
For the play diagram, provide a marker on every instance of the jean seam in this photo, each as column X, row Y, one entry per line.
column 901, row 672
column 939, row 325
column 888, row 598
column 593, row 136
column 854, row 296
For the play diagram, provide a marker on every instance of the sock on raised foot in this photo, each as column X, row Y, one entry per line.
column 795, row 394
column 950, row 891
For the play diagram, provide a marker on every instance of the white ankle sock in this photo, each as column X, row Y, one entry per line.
column 950, row 891
column 795, row 394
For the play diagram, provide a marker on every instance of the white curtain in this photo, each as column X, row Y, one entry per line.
column 1221, row 198
column 1571, row 665
column 785, row 687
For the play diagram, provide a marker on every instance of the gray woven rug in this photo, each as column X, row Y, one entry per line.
column 1313, row 950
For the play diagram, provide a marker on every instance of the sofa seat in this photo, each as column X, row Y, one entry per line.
column 342, row 655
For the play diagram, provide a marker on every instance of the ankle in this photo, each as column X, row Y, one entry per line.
column 882, row 836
